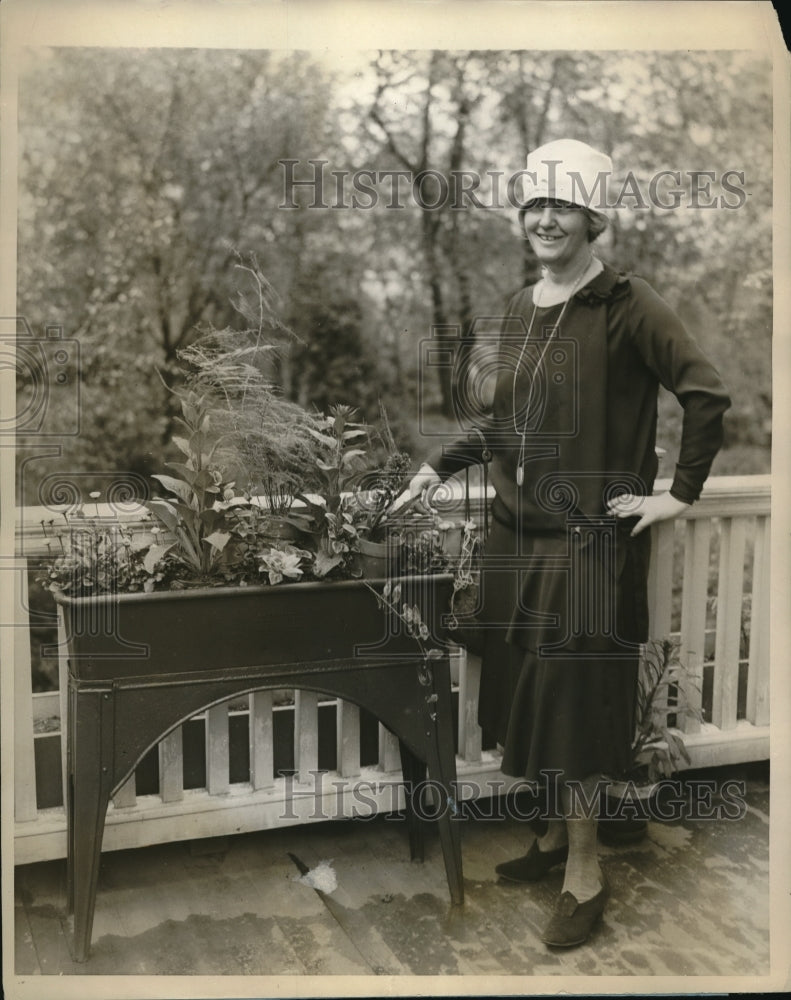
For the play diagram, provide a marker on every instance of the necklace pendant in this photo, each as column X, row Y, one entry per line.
column 520, row 475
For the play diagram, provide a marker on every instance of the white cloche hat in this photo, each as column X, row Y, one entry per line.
column 567, row 170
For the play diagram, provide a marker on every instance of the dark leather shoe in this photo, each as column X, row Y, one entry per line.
column 534, row 865
column 572, row 922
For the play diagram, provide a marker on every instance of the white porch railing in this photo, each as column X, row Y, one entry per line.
column 709, row 585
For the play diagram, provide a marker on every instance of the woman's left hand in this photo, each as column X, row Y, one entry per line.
column 662, row 507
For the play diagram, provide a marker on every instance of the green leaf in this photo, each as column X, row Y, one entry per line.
column 190, row 413
column 186, row 472
column 210, row 517
column 154, row 555
column 324, row 562
column 183, row 445
column 218, row 539
column 677, row 747
column 177, row 486
column 165, row 513
column 186, row 512
column 324, row 438
column 203, row 479
column 197, row 441
column 189, row 554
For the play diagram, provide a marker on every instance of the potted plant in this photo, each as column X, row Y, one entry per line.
column 210, row 531
column 208, row 553
column 658, row 750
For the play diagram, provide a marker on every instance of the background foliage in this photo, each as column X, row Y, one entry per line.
column 145, row 173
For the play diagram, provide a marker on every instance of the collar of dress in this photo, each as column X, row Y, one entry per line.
column 608, row 284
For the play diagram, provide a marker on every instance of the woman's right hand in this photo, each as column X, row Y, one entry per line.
column 425, row 476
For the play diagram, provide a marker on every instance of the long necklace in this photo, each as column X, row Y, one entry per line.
column 520, row 465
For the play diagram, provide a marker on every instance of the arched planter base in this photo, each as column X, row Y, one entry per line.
column 202, row 647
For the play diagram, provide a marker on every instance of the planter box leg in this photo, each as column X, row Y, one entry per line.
column 89, row 813
column 450, row 838
column 441, row 760
column 89, row 796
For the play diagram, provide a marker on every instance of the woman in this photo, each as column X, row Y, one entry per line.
column 571, row 443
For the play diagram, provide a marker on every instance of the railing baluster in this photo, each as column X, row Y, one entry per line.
column 729, row 620
column 389, row 752
column 470, row 734
column 737, row 497
column 347, row 727
column 660, row 579
column 262, row 767
column 217, row 750
column 758, row 675
column 306, row 734
column 63, row 696
column 693, row 616
column 25, row 808
column 171, row 767
column 126, row 795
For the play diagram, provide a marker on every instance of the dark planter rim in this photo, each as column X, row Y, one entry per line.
column 201, row 592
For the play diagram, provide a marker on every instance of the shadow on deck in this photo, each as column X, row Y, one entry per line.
column 691, row 899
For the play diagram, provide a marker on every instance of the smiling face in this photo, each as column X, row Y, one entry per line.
column 558, row 234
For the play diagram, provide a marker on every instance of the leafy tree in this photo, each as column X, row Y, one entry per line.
column 144, row 172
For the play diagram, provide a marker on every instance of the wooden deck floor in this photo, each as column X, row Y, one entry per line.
column 691, row 899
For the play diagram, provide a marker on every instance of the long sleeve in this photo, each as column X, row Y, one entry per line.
column 463, row 452
column 682, row 368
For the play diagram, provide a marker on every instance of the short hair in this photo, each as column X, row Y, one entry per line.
column 597, row 223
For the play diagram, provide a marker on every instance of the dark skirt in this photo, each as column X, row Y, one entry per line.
column 571, row 714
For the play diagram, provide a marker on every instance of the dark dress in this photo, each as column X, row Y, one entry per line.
column 564, row 586
column 568, row 713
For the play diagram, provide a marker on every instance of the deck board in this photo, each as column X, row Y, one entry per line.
column 691, row 899
column 358, row 888
column 26, row 960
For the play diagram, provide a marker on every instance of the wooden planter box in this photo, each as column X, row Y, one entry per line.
column 127, row 635
column 141, row 664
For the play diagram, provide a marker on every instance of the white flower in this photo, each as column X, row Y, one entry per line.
column 280, row 564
